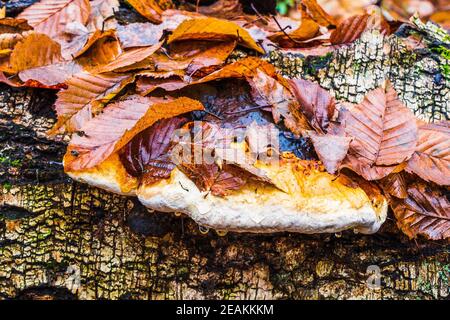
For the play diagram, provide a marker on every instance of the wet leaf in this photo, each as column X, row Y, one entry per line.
column 431, row 160
column 213, row 29
column 53, row 74
column 307, row 30
column 425, row 212
column 117, row 125
column 395, row 185
column 148, row 150
column 52, row 16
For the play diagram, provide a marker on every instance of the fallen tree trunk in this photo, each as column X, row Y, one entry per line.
column 61, row 239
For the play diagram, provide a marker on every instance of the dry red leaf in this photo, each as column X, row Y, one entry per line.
column 147, row 8
column 52, row 16
column 383, row 129
column 117, row 125
column 53, row 74
column 74, row 106
column 213, row 29
column 425, row 212
column 431, row 160
column 128, row 58
column 351, row 28
column 331, row 149
column 315, row 102
column 44, row 50
column 228, row 180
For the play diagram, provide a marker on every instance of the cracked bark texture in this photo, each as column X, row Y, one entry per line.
column 63, row 240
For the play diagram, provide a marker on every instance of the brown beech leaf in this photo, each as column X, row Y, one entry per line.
column 93, row 38
column 315, row 102
column 167, row 80
column 431, row 161
column 267, row 91
column 36, row 50
column 117, row 125
column 13, row 25
column 129, row 57
column 30, row 83
column 383, row 129
column 150, row 148
column 147, row 8
column 52, row 16
column 102, row 15
column 74, row 106
column 316, row 12
column 193, row 56
column 442, row 18
column 368, row 172
column 351, row 29
column 213, row 29
column 243, row 68
column 330, row 148
column 100, row 52
column 425, row 212
column 52, row 74
column 228, row 180
column 9, row 40
column 395, row 185
column 224, row 9
column 308, row 29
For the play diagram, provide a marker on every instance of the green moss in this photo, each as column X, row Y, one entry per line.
column 7, row 186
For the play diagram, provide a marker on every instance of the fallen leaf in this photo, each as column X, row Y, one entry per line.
column 308, row 29
column 228, row 180
column 431, row 160
column 192, row 56
column 316, row 12
column 368, row 172
column 315, row 102
column 117, row 125
column 224, row 9
column 243, row 68
column 442, row 18
column 51, row 16
column 167, row 80
column 139, row 34
column 29, row 83
column 149, row 149
column 147, row 8
column 395, row 185
column 93, row 39
column 351, row 29
column 331, row 149
column 383, row 129
column 14, row 25
column 52, row 74
column 425, row 212
column 102, row 15
column 267, row 91
column 213, row 29
column 74, row 106
column 9, row 40
column 129, row 57
column 44, row 50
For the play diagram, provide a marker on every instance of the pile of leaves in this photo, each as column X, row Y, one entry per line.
column 125, row 89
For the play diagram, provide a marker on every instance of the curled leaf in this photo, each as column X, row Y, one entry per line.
column 147, row 8
column 317, row 13
column 395, row 185
column 213, row 29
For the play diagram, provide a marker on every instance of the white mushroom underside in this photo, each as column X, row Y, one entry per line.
column 247, row 210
